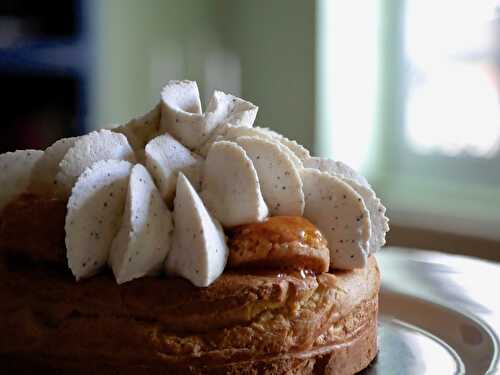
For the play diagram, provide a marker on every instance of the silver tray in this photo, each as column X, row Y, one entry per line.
column 439, row 314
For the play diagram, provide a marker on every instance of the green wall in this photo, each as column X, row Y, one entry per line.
column 276, row 43
column 139, row 46
column 142, row 44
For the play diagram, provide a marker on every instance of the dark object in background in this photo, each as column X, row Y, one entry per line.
column 27, row 20
column 37, row 110
column 44, row 71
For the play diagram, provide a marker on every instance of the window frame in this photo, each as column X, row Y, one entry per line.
column 450, row 202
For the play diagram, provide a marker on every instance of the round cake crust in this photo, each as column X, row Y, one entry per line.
column 347, row 358
column 280, row 324
column 269, row 322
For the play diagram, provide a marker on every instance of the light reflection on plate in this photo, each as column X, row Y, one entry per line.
column 406, row 349
column 432, row 318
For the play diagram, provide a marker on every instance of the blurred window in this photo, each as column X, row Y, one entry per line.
column 453, row 74
column 443, row 167
column 409, row 94
column 347, row 80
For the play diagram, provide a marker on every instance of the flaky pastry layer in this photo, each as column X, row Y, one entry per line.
column 243, row 322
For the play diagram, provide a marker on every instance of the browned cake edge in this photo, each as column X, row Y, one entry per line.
column 54, row 337
column 339, row 359
column 242, row 324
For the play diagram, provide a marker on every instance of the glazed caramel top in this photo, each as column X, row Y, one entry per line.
column 280, row 242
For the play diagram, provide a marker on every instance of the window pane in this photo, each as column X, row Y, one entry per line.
column 347, row 80
column 453, row 77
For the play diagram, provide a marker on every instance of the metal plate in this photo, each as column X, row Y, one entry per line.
column 423, row 328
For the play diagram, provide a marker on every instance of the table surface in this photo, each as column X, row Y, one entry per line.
column 439, row 313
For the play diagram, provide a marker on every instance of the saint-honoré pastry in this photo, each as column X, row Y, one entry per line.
column 187, row 242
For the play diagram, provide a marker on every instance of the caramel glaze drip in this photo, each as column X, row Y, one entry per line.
column 281, row 243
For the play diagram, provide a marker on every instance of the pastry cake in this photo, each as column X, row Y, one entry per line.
column 187, row 242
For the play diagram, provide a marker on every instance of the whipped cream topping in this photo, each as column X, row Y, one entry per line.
column 213, row 169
